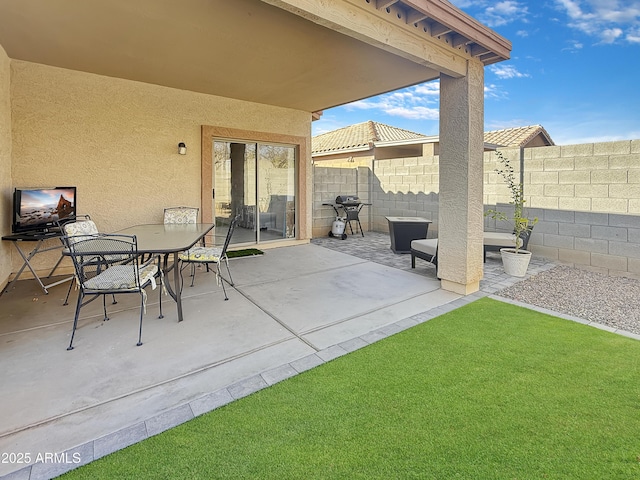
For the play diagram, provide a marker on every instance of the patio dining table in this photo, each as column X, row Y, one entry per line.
column 165, row 240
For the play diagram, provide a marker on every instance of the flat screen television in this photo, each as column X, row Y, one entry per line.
column 38, row 209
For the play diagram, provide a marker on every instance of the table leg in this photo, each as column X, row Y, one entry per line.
column 27, row 263
column 178, row 285
column 56, row 265
column 176, row 290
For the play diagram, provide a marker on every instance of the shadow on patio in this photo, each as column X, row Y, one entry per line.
column 292, row 309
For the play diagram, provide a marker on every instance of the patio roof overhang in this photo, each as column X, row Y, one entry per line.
column 303, row 54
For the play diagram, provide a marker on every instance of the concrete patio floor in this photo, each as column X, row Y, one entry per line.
column 292, row 309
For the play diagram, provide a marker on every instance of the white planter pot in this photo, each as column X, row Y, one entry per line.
column 515, row 264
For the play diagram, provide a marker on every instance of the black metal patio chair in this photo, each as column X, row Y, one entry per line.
column 211, row 255
column 98, row 275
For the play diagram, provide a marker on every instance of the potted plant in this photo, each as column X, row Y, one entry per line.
column 515, row 260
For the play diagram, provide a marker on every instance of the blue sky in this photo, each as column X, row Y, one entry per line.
column 574, row 69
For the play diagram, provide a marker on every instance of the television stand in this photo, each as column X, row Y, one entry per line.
column 40, row 237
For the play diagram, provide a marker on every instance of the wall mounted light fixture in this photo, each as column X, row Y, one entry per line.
column 182, row 148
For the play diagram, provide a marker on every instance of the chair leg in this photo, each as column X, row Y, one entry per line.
column 224, row 290
column 226, row 261
column 160, row 301
column 75, row 321
column 193, row 273
column 66, row 299
column 413, row 260
column 141, row 314
column 104, row 307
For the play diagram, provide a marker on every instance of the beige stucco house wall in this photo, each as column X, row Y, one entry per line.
column 116, row 140
column 5, row 162
column 125, row 134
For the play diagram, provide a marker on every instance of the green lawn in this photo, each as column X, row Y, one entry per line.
column 488, row 391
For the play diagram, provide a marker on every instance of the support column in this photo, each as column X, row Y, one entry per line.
column 237, row 179
column 460, row 218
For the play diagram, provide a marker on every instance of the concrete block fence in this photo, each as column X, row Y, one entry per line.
column 586, row 198
column 328, row 184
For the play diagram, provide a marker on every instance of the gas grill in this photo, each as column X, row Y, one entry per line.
column 351, row 206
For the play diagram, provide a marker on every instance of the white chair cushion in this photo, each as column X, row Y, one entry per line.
column 201, row 254
column 121, row 277
column 499, row 239
column 427, row 245
column 81, row 230
column 181, row 215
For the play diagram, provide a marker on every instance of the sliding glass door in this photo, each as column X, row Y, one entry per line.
column 256, row 182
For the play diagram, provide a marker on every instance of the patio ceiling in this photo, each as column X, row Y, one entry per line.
column 304, row 54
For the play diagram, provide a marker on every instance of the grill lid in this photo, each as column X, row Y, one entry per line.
column 347, row 200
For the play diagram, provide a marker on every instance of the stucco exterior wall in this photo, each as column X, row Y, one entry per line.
column 116, row 140
column 5, row 165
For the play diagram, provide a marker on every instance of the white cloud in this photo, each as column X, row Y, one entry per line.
column 574, row 46
column 608, row 20
column 493, row 91
column 610, row 35
column 414, row 113
column 416, row 103
column 633, row 37
column 503, row 13
column 507, row 71
column 431, row 88
column 467, row 3
column 495, row 14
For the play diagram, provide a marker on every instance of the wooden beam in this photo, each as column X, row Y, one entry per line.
column 489, row 58
column 458, row 40
column 467, row 26
column 438, row 29
column 477, row 50
column 364, row 22
column 381, row 4
column 415, row 16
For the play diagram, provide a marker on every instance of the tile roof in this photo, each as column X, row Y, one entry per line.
column 517, row 137
column 359, row 137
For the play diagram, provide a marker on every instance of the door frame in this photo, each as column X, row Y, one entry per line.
column 209, row 132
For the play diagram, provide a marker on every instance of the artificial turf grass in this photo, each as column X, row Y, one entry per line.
column 246, row 252
column 489, row 390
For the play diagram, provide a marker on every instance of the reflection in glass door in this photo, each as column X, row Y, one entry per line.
column 256, row 182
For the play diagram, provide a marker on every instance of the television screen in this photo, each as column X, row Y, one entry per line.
column 40, row 208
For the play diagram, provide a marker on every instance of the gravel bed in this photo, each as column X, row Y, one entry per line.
column 611, row 301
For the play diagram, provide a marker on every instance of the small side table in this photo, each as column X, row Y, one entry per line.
column 404, row 229
column 40, row 237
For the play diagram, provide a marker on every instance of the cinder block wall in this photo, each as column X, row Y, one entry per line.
column 586, row 198
column 328, row 183
column 405, row 187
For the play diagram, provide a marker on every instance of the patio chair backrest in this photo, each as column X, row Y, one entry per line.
column 99, row 275
column 82, row 228
column 184, row 215
column 227, row 239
